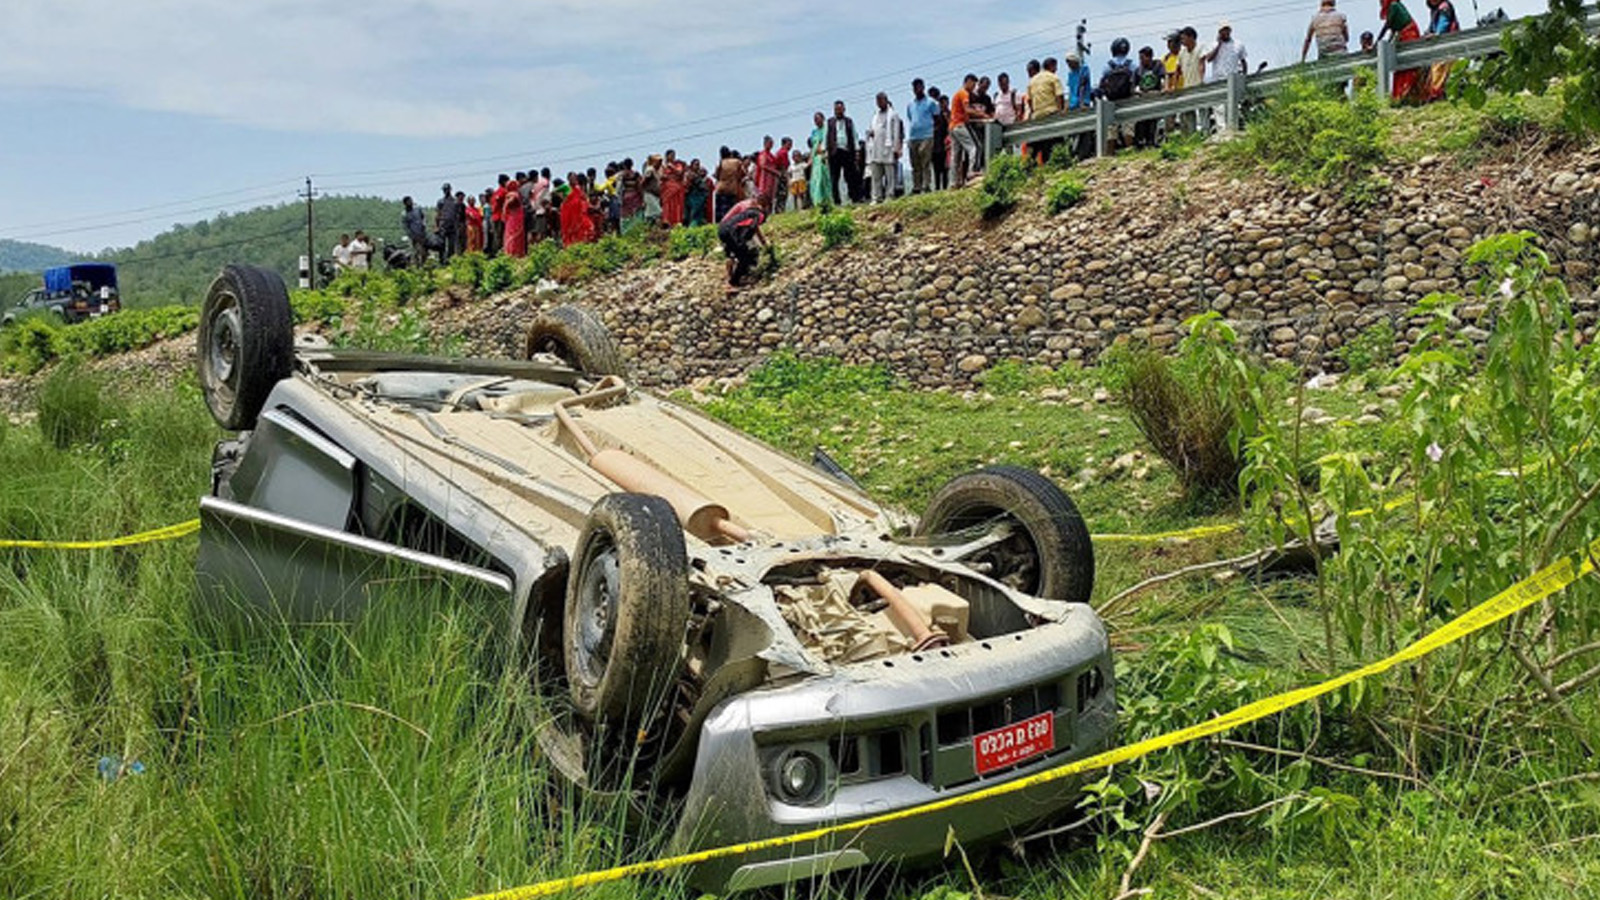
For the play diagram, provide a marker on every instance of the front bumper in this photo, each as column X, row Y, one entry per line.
column 895, row 734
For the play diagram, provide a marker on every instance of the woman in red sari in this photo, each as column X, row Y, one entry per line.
column 516, row 225
column 474, row 226
column 673, row 189
column 576, row 225
column 1398, row 22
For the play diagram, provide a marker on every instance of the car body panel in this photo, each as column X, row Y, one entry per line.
column 366, row 464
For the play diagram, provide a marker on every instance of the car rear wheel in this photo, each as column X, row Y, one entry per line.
column 245, row 344
column 578, row 338
column 627, row 610
column 1048, row 553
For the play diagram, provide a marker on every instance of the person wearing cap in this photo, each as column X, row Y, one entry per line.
column 1227, row 56
column 1330, row 30
column 447, row 215
column 1079, row 88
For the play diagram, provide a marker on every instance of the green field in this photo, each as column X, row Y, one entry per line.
column 396, row 758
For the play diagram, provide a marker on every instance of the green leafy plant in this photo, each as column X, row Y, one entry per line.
column 1539, row 54
column 1065, row 191
column 499, row 274
column 1002, row 184
column 1061, row 157
column 683, row 243
column 317, row 307
column 29, row 344
column 1371, row 350
column 837, row 228
column 1317, row 140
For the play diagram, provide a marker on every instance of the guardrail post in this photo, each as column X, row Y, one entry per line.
column 991, row 140
column 1233, row 114
column 1386, row 64
column 1105, row 120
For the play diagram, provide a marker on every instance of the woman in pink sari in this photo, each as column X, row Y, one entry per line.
column 576, row 225
column 516, row 242
column 673, row 189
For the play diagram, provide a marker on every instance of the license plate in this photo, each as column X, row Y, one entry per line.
column 104, row 309
column 1004, row 747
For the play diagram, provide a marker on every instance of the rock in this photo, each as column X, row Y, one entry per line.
column 1579, row 233
column 1369, row 420
column 1391, row 391
column 1564, row 184
column 1101, row 395
column 1312, row 414
column 1030, row 317
column 973, row 362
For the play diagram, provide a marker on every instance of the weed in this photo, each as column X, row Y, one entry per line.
column 837, row 228
column 1061, row 157
column 1002, row 184
column 1065, row 191
column 1316, row 139
column 1181, row 145
column 683, row 243
column 317, row 307
column 1371, row 350
column 1190, row 407
column 499, row 274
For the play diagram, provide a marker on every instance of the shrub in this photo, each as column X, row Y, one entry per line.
column 1194, row 408
column 30, row 344
column 74, row 407
column 541, row 258
column 1002, row 185
column 467, row 269
column 1065, row 192
column 1320, row 140
column 837, row 229
column 315, row 307
column 1182, row 145
column 499, row 274
column 785, row 373
column 683, row 243
column 1061, row 157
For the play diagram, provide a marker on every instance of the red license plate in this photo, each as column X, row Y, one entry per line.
column 1014, row 743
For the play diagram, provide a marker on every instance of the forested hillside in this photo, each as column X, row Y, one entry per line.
column 22, row 256
column 177, row 265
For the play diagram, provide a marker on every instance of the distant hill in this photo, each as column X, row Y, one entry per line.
column 178, row 265
column 21, row 256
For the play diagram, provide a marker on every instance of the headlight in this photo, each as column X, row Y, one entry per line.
column 800, row 775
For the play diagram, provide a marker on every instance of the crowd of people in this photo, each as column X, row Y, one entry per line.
column 941, row 134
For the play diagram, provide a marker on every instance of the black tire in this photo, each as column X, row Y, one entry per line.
column 627, row 611
column 1049, row 556
column 245, row 344
column 578, row 338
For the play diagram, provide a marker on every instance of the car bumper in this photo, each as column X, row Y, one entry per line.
column 911, row 725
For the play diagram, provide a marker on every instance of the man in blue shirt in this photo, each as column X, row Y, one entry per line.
column 920, row 113
column 1079, row 88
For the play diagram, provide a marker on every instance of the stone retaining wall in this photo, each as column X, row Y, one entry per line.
column 1299, row 274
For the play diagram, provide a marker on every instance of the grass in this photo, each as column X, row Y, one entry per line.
column 395, row 758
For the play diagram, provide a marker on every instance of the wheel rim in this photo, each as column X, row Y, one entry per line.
column 553, row 346
column 596, row 613
column 224, row 333
column 1014, row 561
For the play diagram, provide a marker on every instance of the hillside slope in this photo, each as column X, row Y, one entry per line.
column 24, row 256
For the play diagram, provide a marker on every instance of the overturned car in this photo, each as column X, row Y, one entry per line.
column 722, row 625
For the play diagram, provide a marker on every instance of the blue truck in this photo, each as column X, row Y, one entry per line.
column 70, row 294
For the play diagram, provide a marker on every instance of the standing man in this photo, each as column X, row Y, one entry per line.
column 921, row 112
column 1227, row 56
column 1191, row 68
column 497, row 215
column 1046, row 98
column 416, row 229
column 886, row 140
column 963, row 113
column 1173, row 80
column 341, row 253
column 361, row 252
column 1330, row 30
column 447, row 217
column 841, row 144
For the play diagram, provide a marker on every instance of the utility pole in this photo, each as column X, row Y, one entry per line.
column 308, row 263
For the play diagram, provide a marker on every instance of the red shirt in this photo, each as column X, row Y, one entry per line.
column 497, row 204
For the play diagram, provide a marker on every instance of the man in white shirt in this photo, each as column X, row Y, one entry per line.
column 360, row 252
column 341, row 253
column 886, row 138
column 1227, row 56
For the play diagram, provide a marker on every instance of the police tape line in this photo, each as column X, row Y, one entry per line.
column 182, row 529
column 1519, row 596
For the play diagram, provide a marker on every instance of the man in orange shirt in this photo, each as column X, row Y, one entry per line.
column 963, row 116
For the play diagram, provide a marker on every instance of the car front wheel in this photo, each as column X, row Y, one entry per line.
column 245, row 344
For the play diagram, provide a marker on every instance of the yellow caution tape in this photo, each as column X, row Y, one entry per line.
column 182, row 529
column 1187, row 534
column 1517, row 597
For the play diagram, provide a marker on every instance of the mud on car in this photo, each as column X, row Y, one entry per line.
column 751, row 636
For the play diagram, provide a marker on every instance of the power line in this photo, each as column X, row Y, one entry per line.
column 170, row 203
column 191, row 251
column 102, row 226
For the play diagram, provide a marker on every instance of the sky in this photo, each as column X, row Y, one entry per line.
column 120, row 118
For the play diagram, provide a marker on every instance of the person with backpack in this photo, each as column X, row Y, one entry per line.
column 1117, row 83
column 1150, row 77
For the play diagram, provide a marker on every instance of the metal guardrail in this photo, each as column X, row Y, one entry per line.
column 1229, row 95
